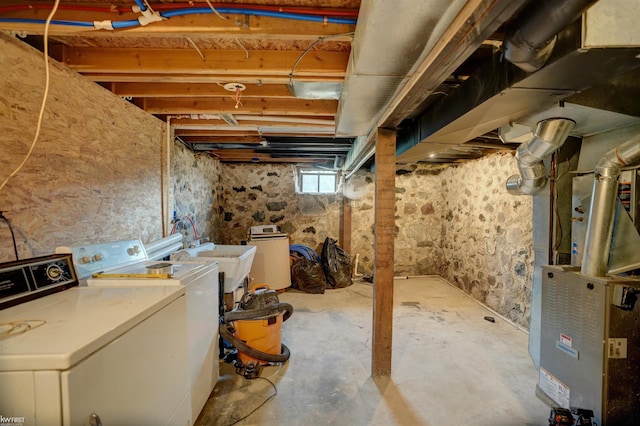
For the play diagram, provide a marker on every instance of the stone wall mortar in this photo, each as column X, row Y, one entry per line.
column 259, row 194
column 458, row 222
column 196, row 189
column 94, row 174
column 487, row 246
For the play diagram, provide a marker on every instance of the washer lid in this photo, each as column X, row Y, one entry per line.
column 58, row 331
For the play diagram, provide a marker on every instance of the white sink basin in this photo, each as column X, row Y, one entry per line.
column 234, row 261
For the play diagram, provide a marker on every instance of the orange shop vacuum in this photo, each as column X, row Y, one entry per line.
column 255, row 327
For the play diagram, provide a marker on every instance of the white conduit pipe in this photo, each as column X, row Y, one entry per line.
column 167, row 182
column 603, row 204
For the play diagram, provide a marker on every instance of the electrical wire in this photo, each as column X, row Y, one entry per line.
column 44, row 97
column 214, row 10
column 195, row 46
column 13, row 236
column 311, row 46
column 193, row 226
column 273, row 395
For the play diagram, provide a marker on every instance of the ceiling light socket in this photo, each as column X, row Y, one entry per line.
column 234, row 87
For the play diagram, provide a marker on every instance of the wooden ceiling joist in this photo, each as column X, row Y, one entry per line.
column 182, row 90
column 302, row 107
column 125, row 77
column 217, row 133
column 172, row 61
column 222, row 139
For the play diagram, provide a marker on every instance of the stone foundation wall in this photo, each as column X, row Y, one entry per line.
column 419, row 202
column 458, row 222
column 259, row 194
column 197, row 194
column 94, row 174
column 487, row 247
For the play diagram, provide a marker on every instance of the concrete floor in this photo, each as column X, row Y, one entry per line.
column 450, row 366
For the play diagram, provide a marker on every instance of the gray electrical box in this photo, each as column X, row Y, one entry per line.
column 590, row 344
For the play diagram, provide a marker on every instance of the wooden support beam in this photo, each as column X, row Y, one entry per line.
column 345, row 226
column 384, row 229
column 193, row 90
column 217, row 133
column 225, row 62
column 254, row 140
column 151, row 77
column 249, row 106
column 201, row 122
column 233, row 155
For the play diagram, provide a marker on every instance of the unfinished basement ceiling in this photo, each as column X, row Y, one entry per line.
column 223, row 80
column 299, row 81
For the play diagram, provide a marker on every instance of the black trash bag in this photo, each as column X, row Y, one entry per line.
column 336, row 264
column 307, row 275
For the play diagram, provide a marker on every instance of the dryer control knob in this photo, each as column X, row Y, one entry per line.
column 85, row 259
column 133, row 250
column 98, row 257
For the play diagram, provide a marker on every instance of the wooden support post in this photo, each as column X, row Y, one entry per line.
column 384, row 227
column 345, row 226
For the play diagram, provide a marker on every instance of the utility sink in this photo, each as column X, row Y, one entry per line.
column 234, row 261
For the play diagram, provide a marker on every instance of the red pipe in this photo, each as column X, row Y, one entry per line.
column 121, row 9
column 61, row 7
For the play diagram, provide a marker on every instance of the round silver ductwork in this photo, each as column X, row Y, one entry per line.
column 549, row 136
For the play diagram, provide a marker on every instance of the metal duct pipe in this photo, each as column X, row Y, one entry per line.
column 531, row 42
column 549, row 136
column 603, row 204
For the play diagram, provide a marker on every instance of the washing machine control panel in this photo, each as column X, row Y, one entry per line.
column 29, row 279
column 101, row 257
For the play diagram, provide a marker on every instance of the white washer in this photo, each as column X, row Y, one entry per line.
column 126, row 266
column 119, row 354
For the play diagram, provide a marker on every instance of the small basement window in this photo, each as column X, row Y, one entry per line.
column 315, row 181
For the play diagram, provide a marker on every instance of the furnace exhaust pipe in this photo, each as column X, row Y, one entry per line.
column 597, row 244
column 549, row 136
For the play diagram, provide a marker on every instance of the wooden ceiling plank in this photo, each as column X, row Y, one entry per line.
column 281, row 123
column 222, row 139
column 230, row 155
column 301, row 107
column 258, row 79
column 233, row 62
column 201, row 122
column 181, row 90
column 201, row 132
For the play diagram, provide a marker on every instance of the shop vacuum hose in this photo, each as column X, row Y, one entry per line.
column 254, row 314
